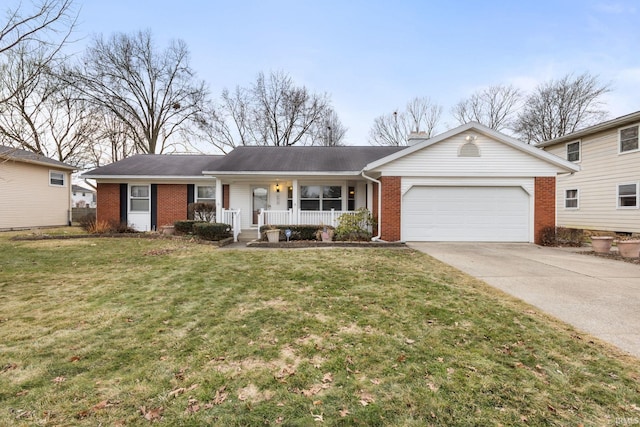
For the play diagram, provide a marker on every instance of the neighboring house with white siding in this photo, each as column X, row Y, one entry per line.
column 605, row 193
column 36, row 190
column 83, row 197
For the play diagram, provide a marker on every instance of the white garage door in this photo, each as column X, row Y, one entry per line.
column 466, row 214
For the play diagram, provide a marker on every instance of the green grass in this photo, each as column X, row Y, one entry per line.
column 124, row 331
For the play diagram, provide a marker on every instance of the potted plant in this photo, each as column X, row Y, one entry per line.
column 629, row 247
column 601, row 244
column 325, row 234
column 273, row 235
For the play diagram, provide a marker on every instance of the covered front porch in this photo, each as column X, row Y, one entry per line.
column 247, row 203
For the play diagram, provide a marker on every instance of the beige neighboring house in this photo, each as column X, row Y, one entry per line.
column 605, row 193
column 36, row 190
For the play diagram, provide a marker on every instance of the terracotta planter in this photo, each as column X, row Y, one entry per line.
column 601, row 244
column 629, row 248
column 273, row 236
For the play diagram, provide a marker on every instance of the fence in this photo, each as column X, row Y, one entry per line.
column 78, row 213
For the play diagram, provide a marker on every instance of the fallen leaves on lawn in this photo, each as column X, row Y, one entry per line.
column 366, row 398
column 74, row 359
column 9, row 367
column 151, row 414
column 181, row 390
column 327, row 378
column 344, row 412
column 59, row 380
column 318, row 417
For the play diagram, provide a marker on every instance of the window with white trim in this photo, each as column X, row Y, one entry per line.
column 571, row 199
column 573, row 151
column 628, row 195
column 206, row 194
column 139, row 198
column 629, row 139
column 56, row 179
column 320, row 197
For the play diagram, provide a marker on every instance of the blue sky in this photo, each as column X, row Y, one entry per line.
column 373, row 56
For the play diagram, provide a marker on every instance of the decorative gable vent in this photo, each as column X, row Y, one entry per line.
column 469, row 149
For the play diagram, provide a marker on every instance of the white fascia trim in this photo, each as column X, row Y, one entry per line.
column 477, row 127
column 35, row 162
column 147, row 177
column 282, row 173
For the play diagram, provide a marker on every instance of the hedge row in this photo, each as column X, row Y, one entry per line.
column 204, row 230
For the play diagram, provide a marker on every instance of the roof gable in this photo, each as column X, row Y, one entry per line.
column 15, row 154
column 483, row 130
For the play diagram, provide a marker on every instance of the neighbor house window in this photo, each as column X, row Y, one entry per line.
column 571, row 199
column 628, row 195
column 56, row 178
column 139, row 198
column 320, row 197
column 206, row 194
column 629, row 139
column 573, row 151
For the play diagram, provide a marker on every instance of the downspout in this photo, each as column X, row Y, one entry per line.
column 376, row 238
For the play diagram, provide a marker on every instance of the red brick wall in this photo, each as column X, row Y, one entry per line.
column 391, row 200
column 171, row 203
column 108, row 203
column 545, row 206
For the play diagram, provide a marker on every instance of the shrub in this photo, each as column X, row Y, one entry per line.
column 561, row 236
column 98, row 227
column 298, row 232
column 201, row 211
column 212, row 231
column 88, row 221
column 185, row 227
column 355, row 227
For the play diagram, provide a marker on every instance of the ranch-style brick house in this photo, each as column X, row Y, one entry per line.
column 468, row 184
column 605, row 194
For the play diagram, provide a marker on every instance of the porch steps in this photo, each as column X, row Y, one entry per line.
column 247, row 235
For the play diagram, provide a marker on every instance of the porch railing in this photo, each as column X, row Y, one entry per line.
column 232, row 217
column 288, row 217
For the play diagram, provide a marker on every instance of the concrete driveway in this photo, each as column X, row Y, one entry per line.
column 595, row 295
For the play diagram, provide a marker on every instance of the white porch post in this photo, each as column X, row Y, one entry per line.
column 295, row 201
column 219, row 201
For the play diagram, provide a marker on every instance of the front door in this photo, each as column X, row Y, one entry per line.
column 260, row 200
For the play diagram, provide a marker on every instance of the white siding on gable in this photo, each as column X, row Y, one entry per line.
column 603, row 169
column 27, row 198
column 442, row 159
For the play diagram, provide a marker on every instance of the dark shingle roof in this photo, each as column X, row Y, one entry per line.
column 301, row 159
column 16, row 154
column 158, row 165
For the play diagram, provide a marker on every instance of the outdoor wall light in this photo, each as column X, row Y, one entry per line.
column 277, row 187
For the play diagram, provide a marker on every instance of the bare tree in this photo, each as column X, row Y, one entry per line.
column 559, row 107
column 42, row 115
column 44, row 29
column 153, row 93
column 494, row 107
column 329, row 131
column 272, row 111
column 420, row 115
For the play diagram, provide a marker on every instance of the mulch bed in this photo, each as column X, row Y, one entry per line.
column 612, row 255
column 294, row 244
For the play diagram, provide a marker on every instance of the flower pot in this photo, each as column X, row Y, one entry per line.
column 273, row 236
column 601, row 244
column 629, row 248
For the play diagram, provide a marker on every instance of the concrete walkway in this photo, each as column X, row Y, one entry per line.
column 596, row 295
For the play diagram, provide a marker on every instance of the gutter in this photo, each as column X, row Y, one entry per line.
column 376, row 238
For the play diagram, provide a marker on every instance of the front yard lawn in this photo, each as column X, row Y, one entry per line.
column 130, row 331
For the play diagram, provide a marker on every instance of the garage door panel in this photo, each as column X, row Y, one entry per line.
column 466, row 214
